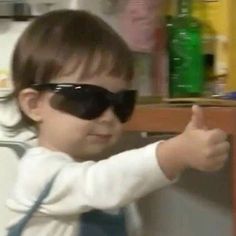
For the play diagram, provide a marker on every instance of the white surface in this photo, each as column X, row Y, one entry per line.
column 9, row 33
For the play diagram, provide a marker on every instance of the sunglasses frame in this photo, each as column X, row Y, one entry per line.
column 71, row 91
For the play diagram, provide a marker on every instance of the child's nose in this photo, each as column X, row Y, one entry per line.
column 107, row 116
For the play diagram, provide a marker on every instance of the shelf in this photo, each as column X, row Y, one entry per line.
column 161, row 118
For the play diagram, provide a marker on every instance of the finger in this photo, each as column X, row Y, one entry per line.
column 217, row 136
column 197, row 119
column 217, row 163
column 221, row 158
column 221, row 149
column 220, row 161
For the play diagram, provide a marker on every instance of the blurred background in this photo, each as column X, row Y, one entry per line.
column 183, row 49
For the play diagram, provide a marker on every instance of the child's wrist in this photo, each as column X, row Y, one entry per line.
column 170, row 157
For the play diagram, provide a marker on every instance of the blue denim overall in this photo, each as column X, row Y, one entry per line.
column 92, row 223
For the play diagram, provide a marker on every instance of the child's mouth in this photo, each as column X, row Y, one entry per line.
column 102, row 137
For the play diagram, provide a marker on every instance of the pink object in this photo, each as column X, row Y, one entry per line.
column 139, row 20
column 143, row 28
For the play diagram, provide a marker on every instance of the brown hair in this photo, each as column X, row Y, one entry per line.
column 59, row 42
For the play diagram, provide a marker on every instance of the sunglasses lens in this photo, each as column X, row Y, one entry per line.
column 124, row 105
column 90, row 101
column 85, row 104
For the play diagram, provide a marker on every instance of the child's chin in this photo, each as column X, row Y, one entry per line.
column 99, row 152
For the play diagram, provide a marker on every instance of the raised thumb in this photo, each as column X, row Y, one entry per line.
column 197, row 120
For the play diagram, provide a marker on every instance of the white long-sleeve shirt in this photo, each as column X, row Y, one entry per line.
column 81, row 186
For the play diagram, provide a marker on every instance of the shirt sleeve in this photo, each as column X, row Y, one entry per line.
column 107, row 184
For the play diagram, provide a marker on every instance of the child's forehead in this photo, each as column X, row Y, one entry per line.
column 95, row 68
column 96, row 62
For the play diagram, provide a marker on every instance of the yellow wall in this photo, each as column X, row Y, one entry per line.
column 214, row 16
column 231, row 83
column 213, row 13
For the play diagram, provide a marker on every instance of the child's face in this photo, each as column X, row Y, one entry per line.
column 79, row 137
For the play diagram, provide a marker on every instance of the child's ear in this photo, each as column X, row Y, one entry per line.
column 29, row 102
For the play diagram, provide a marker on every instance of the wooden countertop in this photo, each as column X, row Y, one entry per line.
column 159, row 118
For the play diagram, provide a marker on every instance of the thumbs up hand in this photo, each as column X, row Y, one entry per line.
column 197, row 147
column 209, row 147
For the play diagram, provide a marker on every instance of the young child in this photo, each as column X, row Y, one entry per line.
column 71, row 75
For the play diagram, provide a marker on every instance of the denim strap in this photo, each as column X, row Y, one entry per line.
column 17, row 229
column 100, row 223
column 92, row 223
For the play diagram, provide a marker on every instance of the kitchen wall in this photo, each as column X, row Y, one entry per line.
column 197, row 204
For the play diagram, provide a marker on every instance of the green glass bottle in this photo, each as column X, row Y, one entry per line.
column 186, row 70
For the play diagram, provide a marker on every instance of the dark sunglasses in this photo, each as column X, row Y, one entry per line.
column 88, row 101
